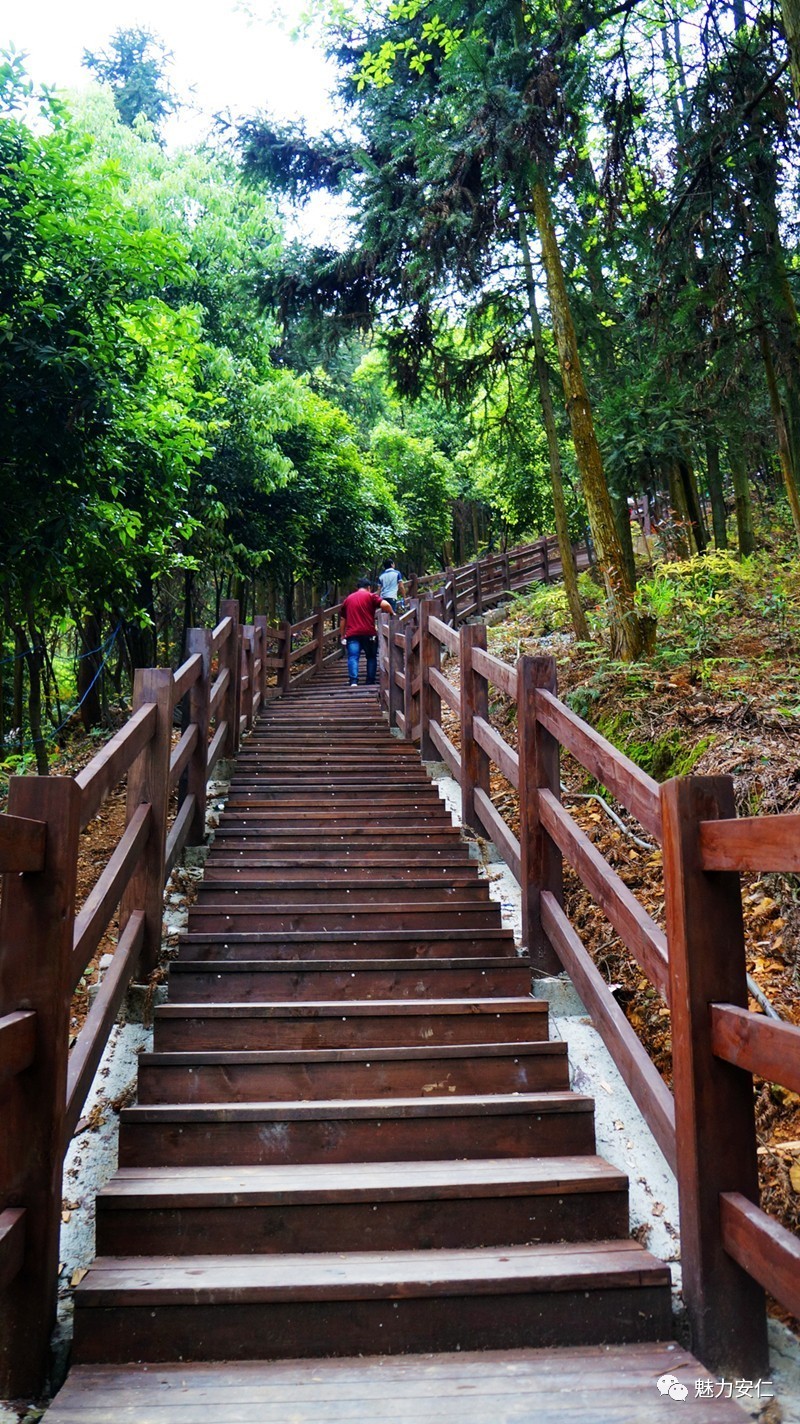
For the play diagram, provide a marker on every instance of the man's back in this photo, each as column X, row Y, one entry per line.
column 389, row 581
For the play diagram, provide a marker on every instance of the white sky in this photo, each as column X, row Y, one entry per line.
column 222, row 59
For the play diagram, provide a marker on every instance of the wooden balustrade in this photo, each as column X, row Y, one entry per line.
column 731, row 1250
column 46, row 946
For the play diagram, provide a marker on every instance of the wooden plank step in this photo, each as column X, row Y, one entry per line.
column 383, row 889
column 369, row 944
column 415, row 858
column 379, row 1023
column 600, row 1384
column 398, row 840
column 246, row 980
column 337, row 815
column 314, row 870
column 206, row 1307
column 361, row 1206
column 380, row 1130
column 308, row 1075
column 352, row 917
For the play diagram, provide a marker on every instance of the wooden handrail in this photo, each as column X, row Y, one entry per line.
column 107, row 769
column 764, row 1046
column 187, row 675
column 17, row 1042
column 752, row 843
column 101, row 903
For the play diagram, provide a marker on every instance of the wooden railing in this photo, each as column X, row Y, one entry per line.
column 474, row 588
column 46, row 944
column 731, row 1250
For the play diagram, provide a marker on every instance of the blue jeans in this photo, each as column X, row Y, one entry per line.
column 367, row 646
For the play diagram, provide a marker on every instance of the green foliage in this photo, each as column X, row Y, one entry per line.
column 134, row 66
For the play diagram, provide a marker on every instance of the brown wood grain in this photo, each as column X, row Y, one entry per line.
column 17, row 1042
column 84, row 1059
column 474, row 703
column 182, row 753
column 626, row 781
column 148, row 784
column 221, row 633
column 643, row 937
column 498, row 832
column 109, row 766
column 646, row 1085
column 500, row 752
column 766, row 1250
column 752, row 843
column 22, row 844
column 37, row 919
column 446, row 750
column 197, row 709
column 503, row 675
column 445, row 690
column 12, row 1244
column 540, row 858
column 187, row 675
column 92, row 921
column 758, row 1044
column 714, row 1122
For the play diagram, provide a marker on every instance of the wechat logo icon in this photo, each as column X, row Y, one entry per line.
column 668, row 1384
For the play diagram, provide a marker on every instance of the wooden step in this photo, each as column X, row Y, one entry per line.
column 361, row 890
column 361, row 1206
column 379, row 1023
column 600, row 1384
column 368, row 944
column 315, row 869
column 306, row 1075
column 247, row 980
column 209, row 1307
column 351, row 917
column 367, row 1130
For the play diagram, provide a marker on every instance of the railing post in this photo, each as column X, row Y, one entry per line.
column 229, row 658
column 36, row 973
column 391, row 670
column 148, row 781
column 260, row 625
column 451, row 580
column 430, row 656
column 545, row 561
column 382, row 625
column 248, row 662
column 408, row 674
column 478, row 587
column 714, row 1119
column 540, row 858
column 198, row 640
column 506, row 573
column 319, row 634
column 474, row 703
column 286, row 644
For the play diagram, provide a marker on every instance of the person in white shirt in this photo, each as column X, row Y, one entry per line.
column 391, row 584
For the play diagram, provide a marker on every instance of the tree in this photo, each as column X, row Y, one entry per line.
column 134, row 65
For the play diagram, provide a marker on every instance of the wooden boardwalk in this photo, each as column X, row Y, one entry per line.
column 354, row 1138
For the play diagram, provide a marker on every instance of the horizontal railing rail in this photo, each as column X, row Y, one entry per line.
column 475, row 587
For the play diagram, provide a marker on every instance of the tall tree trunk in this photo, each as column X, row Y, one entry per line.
column 744, row 503
column 693, row 506
column 570, row 576
column 627, row 633
column 790, row 9
column 784, row 448
column 715, row 490
column 677, row 499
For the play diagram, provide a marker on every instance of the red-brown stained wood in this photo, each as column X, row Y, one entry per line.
column 12, row 1244
column 22, row 844
column 228, row 660
column 715, row 1130
column 474, row 703
column 107, row 768
column 17, row 1043
column 645, row 1083
column 540, row 858
column 637, row 791
column 194, row 782
column 641, row 934
column 148, row 783
column 37, row 912
column 92, row 921
column 761, row 1045
column 752, row 843
column 764, row 1248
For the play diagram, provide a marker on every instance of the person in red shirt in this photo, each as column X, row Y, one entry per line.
column 357, row 630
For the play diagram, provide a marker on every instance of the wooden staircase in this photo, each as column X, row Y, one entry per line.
column 353, row 1135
